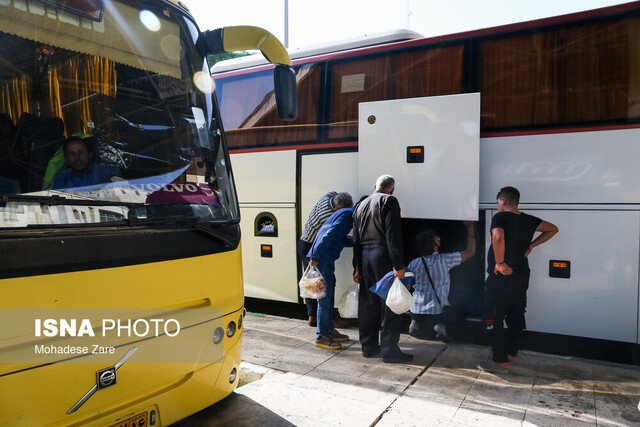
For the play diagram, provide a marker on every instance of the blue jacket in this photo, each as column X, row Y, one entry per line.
column 92, row 176
column 332, row 237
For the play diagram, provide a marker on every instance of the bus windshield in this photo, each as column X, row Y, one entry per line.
column 112, row 107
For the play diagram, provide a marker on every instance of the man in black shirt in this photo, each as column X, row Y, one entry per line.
column 508, row 268
column 377, row 249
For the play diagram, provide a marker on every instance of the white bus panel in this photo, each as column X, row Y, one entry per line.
column 600, row 299
column 445, row 185
column 265, row 177
column 275, row 277
column 266, row 183
column 576, row 167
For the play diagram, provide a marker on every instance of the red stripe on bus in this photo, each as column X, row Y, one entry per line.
column 552, row 131
column 294, row 147
column 483, row 135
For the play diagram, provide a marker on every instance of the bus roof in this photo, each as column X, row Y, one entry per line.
column 370, row 42
column 320, row 49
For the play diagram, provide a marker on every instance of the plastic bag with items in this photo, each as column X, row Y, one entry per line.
column 312, row 283
column 348, row 308
column 399, row 299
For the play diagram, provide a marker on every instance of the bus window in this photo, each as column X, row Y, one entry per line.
column 428, row 72
column 417, row 73
column 139, row 110
column 249, row 113
column 577, row 74
column 353, row 82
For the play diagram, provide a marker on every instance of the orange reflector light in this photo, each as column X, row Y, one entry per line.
column 415, row 150
column 560, row 264
column 266, row 247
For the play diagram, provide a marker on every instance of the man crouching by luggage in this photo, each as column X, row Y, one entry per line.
column 327, row 245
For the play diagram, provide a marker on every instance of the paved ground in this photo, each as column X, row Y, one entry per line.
column 288, row 381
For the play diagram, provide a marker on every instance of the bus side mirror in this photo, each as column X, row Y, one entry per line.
column 284, row 82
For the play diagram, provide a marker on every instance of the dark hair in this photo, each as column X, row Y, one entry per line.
column 425, row 242
column 510, row 194
column 342, row 200
column 87, row 141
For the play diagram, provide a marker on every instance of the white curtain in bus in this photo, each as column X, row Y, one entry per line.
column 121, row 36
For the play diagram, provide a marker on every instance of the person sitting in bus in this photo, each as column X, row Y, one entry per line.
column 432, row 283
column 83, row 170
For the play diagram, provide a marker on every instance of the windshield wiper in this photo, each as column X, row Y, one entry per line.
column 196, row 225
column 55, row 200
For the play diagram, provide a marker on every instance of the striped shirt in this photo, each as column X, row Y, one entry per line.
column 319, row 214
column 424, row 300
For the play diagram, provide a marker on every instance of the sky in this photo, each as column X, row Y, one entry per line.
column 319, row 22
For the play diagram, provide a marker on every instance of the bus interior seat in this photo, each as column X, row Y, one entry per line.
column 37, row 140
column 7, row 137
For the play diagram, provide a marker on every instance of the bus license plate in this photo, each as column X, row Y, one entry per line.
column 139, row 420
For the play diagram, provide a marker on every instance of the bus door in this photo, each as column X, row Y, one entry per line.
column 431, row 146
column 321, row 173
column 266, row 184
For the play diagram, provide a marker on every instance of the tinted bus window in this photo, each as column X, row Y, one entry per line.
column 429, row 72
column 249, row 112
column 425, row 72
column 573, row 75
column 353, row 82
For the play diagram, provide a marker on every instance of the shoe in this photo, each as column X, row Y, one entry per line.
column 493, row 367
column 312, row 321
column 398, row 358
column 339, row 323
column 441, row 332
column 337, row 336
column 511, row 358
column 371, row 353
column 413, row 330
column 328, row 343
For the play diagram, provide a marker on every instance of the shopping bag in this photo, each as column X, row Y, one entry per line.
column 383, row 285
column 399, row 299
column 312, row 284
column 348, row 308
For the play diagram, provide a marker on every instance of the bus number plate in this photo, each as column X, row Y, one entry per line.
column 139, row 420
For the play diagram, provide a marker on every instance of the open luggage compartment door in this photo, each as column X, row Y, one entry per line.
column 431, row 146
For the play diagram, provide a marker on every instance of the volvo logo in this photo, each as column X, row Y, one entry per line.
column 106, row 378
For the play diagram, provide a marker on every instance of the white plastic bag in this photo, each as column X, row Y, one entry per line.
column 348, row 308
column 312, row 284
column 399, row 299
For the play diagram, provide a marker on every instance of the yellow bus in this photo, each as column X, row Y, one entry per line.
column 121, row 296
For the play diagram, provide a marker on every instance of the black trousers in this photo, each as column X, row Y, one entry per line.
column 373, row 314
column 505, row 302
column 422, row 325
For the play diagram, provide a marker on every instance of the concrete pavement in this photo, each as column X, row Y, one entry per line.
column 286, row 380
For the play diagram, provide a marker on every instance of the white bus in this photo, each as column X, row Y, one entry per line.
column 551, row 107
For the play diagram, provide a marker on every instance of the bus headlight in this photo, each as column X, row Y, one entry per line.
column 218, row 334
column 232, row 375
column 231, row 328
